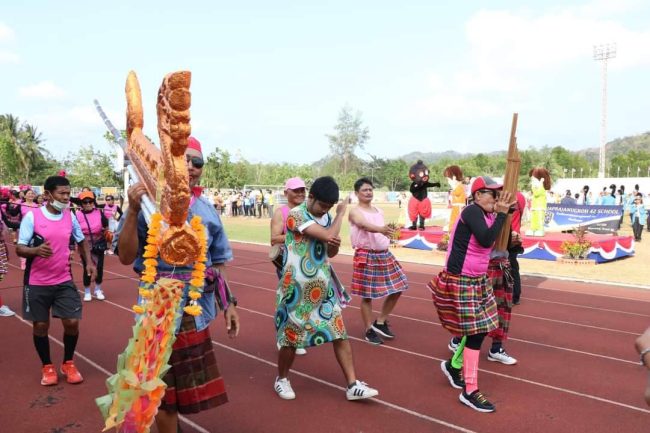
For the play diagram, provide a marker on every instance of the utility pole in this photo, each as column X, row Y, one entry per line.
column 602, row 53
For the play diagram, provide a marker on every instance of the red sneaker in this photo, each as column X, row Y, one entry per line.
column 71, row 373
column 49, row 376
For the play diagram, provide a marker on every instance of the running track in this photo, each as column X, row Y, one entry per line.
column 577, row 369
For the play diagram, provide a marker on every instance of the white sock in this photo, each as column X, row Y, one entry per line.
column 87, row 289
column 97, row 287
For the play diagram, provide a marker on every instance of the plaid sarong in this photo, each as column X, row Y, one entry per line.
column 193, row 382
column 376, row 274
column 4, row 257
column 465, row 305
column 500, row 275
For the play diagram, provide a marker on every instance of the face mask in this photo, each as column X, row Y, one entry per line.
column 58, row 205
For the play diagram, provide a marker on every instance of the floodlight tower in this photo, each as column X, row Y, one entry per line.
column 602, row 53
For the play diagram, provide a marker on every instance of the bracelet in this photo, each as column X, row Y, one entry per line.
column 643, row 354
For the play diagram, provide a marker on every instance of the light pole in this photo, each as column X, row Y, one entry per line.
column 618, row 171
column 565, row 171
column 573, row 170
column 580, row 171
column 602, row 53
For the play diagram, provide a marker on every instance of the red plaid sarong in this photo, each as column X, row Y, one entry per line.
column 193, row 382
column 465, row 305
column 499, row 273
column 376, row 274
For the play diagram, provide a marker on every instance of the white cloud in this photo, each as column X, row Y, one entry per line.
column 6, row 33
column 42, row 90
column 512, row 55
column 7, row 56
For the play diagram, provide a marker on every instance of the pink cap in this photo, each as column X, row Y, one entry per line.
column 294, row 183
column 194, row 144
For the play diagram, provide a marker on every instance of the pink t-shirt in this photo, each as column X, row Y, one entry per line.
column 366, row 240
column 28, row 207
column 91, row 222
column 56, row 268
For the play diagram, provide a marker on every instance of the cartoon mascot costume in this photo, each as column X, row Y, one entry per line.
column 419, row 203
column 454, row 176
column 540, row 181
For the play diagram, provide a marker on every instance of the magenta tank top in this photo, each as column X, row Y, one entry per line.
column 366, row 240
column 109, row 211
column 56, row 268
column 94, row 224
column 285, row 214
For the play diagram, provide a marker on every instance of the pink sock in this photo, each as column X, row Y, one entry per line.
column 470, row 369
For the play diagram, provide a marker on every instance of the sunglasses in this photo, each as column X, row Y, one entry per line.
column 492, row 192
column 86, row 201
column 196, row 161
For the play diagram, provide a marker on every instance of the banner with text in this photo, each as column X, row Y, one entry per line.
column 597, row 219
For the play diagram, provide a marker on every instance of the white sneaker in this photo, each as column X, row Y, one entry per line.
column 87, row 296
column 99, row 294
column 453, row 346
column 502, row 357
column 359, row 391
column 6, row 311
column 283, row 388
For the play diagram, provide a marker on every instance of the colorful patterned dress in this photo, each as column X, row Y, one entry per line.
column 308, row 309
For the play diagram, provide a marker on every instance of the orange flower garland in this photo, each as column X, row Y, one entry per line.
column 198, row 272
column 151, row 252
column 150, row 255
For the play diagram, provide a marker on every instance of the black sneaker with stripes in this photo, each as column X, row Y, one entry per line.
column 453, row 374
column 383, row 329
column 476, row 401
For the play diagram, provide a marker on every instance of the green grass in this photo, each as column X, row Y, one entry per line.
column 258, row 230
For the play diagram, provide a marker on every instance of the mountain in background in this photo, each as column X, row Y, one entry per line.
column 620, row 146
column 615, row 147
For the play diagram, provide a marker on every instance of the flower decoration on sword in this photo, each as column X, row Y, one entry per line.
column 136, row 389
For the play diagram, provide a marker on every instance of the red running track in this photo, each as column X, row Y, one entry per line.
column 577, row 369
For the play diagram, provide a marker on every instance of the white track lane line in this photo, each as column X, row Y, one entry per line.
column 507, row 376
column 108, row 373
column 525, row 274
column 510, row 338
column 523, row 285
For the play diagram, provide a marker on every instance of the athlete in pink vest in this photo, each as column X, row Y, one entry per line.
column 44, row 239
column 93, row 225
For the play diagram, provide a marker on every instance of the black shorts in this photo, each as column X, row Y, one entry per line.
column 63, row 299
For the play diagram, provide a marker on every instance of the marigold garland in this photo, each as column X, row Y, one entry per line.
column 150, row 254
column 198, row 272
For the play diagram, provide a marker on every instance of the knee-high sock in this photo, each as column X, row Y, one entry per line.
column 42, row 345
column 457, row 359
column 470, row 369
column 69, row 345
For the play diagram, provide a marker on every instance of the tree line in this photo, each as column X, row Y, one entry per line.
column 24, row 159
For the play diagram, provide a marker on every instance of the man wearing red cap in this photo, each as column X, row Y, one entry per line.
column 464, row 299
column 194, row 383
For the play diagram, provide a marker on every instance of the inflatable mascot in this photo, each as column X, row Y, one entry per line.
column 454, row 176
column 419, row 203
column 540, row 180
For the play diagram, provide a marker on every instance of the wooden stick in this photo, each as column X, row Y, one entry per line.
column 510, row 180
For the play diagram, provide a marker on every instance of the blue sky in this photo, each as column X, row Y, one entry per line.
column 269, row 78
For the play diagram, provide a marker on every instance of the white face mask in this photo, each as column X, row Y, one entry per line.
column 59, row 205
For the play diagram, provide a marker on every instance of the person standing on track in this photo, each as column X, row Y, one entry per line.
column 294, row 191
column 93, row 225
column 461, row 292
column 376, row 272
column 5, row 311
column 112, row 212
column 194, row 383
column 44, row 241
column 308, row 306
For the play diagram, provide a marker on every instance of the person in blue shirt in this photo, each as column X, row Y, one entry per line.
column 193, row 382
column 639, row 215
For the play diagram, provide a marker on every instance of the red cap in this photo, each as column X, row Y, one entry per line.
column 61, row 173
column 485, row 182
column 194, row 144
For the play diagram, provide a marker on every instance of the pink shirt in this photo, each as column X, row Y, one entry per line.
column 56, row 268
column 366, row 240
